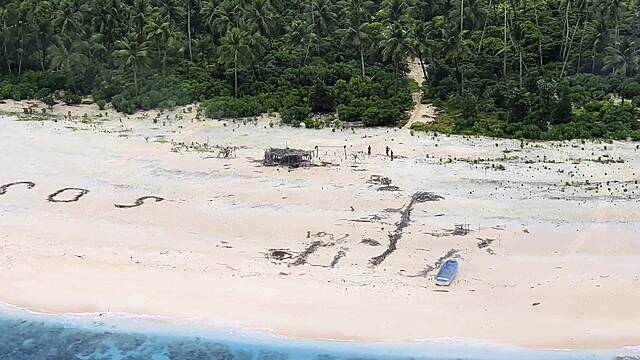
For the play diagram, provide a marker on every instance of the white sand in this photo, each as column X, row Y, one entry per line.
column 201, row 253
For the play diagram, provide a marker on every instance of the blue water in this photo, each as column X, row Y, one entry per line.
column 31, row 336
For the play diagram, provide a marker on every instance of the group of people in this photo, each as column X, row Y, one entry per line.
column 388, row 151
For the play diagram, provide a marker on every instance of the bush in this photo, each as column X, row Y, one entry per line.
column 349, row 113
column 101, row 104
column 230, row 107
column 121, row 104
column 70, row 98
column 379, row 116
column 295, row 114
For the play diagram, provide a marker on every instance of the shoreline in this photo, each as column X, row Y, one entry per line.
column 549, row 247
column 193, row 328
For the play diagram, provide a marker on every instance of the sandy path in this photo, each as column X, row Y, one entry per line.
column 421, row 112
column 562, row 220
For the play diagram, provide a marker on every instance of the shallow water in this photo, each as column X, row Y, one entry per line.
column 25, row 335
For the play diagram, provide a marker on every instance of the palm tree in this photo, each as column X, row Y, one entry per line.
column 623, row 61
column 6, row 35
column 301, row 35
column 40, row 17
column 133, row 55
column 225, row 18
column 158, row 32
column 613, row 9
column 395, row 48
column 600, row 37
column 68, row 18
column 234, row 50
column 69, row 55
column 139, row 17
column 454, row 50
column 395, row 11
column 357, row 35
column 322, row 16
column 357, row 11
column 468, row 13
column 259, row 14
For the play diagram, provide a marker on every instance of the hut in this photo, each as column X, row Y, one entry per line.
column 287, row 157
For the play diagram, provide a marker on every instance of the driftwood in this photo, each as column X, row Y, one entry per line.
column 405, row 219
column 379, row 180
column 3, row 188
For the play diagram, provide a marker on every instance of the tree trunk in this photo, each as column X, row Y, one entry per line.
column 520, row 74
column 6, row 52
column 424, row 70
column 584, row 30
column 20, row 52
column 569, row 46
column 6, row 56
column 361, row 62
column 235, row 73
column 504, row 49
column 189, row 28
column 461, row 16
column 395, row 77
column 535, row 9
column 565, row 43
column 484, row 28
column 41, row 49
column 135, row 79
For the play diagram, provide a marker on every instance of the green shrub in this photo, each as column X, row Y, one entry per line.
column 349, row 113
column 380, row 116
column 121, row 104
column 70, row 98
column 230, row 107
column 295, row 114
column 101, row 104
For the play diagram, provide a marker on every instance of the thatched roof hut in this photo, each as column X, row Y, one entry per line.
column 287, row 157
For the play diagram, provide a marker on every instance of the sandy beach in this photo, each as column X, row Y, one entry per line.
column 547, row 234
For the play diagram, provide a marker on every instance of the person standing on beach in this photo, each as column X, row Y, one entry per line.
column 369, row 150
column 391, row 155
column 387, row 150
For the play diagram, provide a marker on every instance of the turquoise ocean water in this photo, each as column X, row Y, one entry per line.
column 26, row 335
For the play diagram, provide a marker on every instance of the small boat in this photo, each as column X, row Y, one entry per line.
column 447, row 272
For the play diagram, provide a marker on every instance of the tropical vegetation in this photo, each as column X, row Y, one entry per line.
column 538, row 69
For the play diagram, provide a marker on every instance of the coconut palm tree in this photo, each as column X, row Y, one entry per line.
column 132, row 54
column 260, row 14
column 356, row 35
column 158, row 32
column 69, row 19
column 622, row 60
column 301, row 35
column 322, row 15
column 395, row 11
column 69, row 56
column 234, row 50
column 395, row 48
column 455, row 49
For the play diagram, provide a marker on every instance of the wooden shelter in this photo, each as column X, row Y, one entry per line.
column 287, row 157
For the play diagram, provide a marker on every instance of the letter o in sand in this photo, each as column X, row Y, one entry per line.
column 79, row 193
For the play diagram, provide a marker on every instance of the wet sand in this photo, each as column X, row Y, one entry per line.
column 548, row 248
